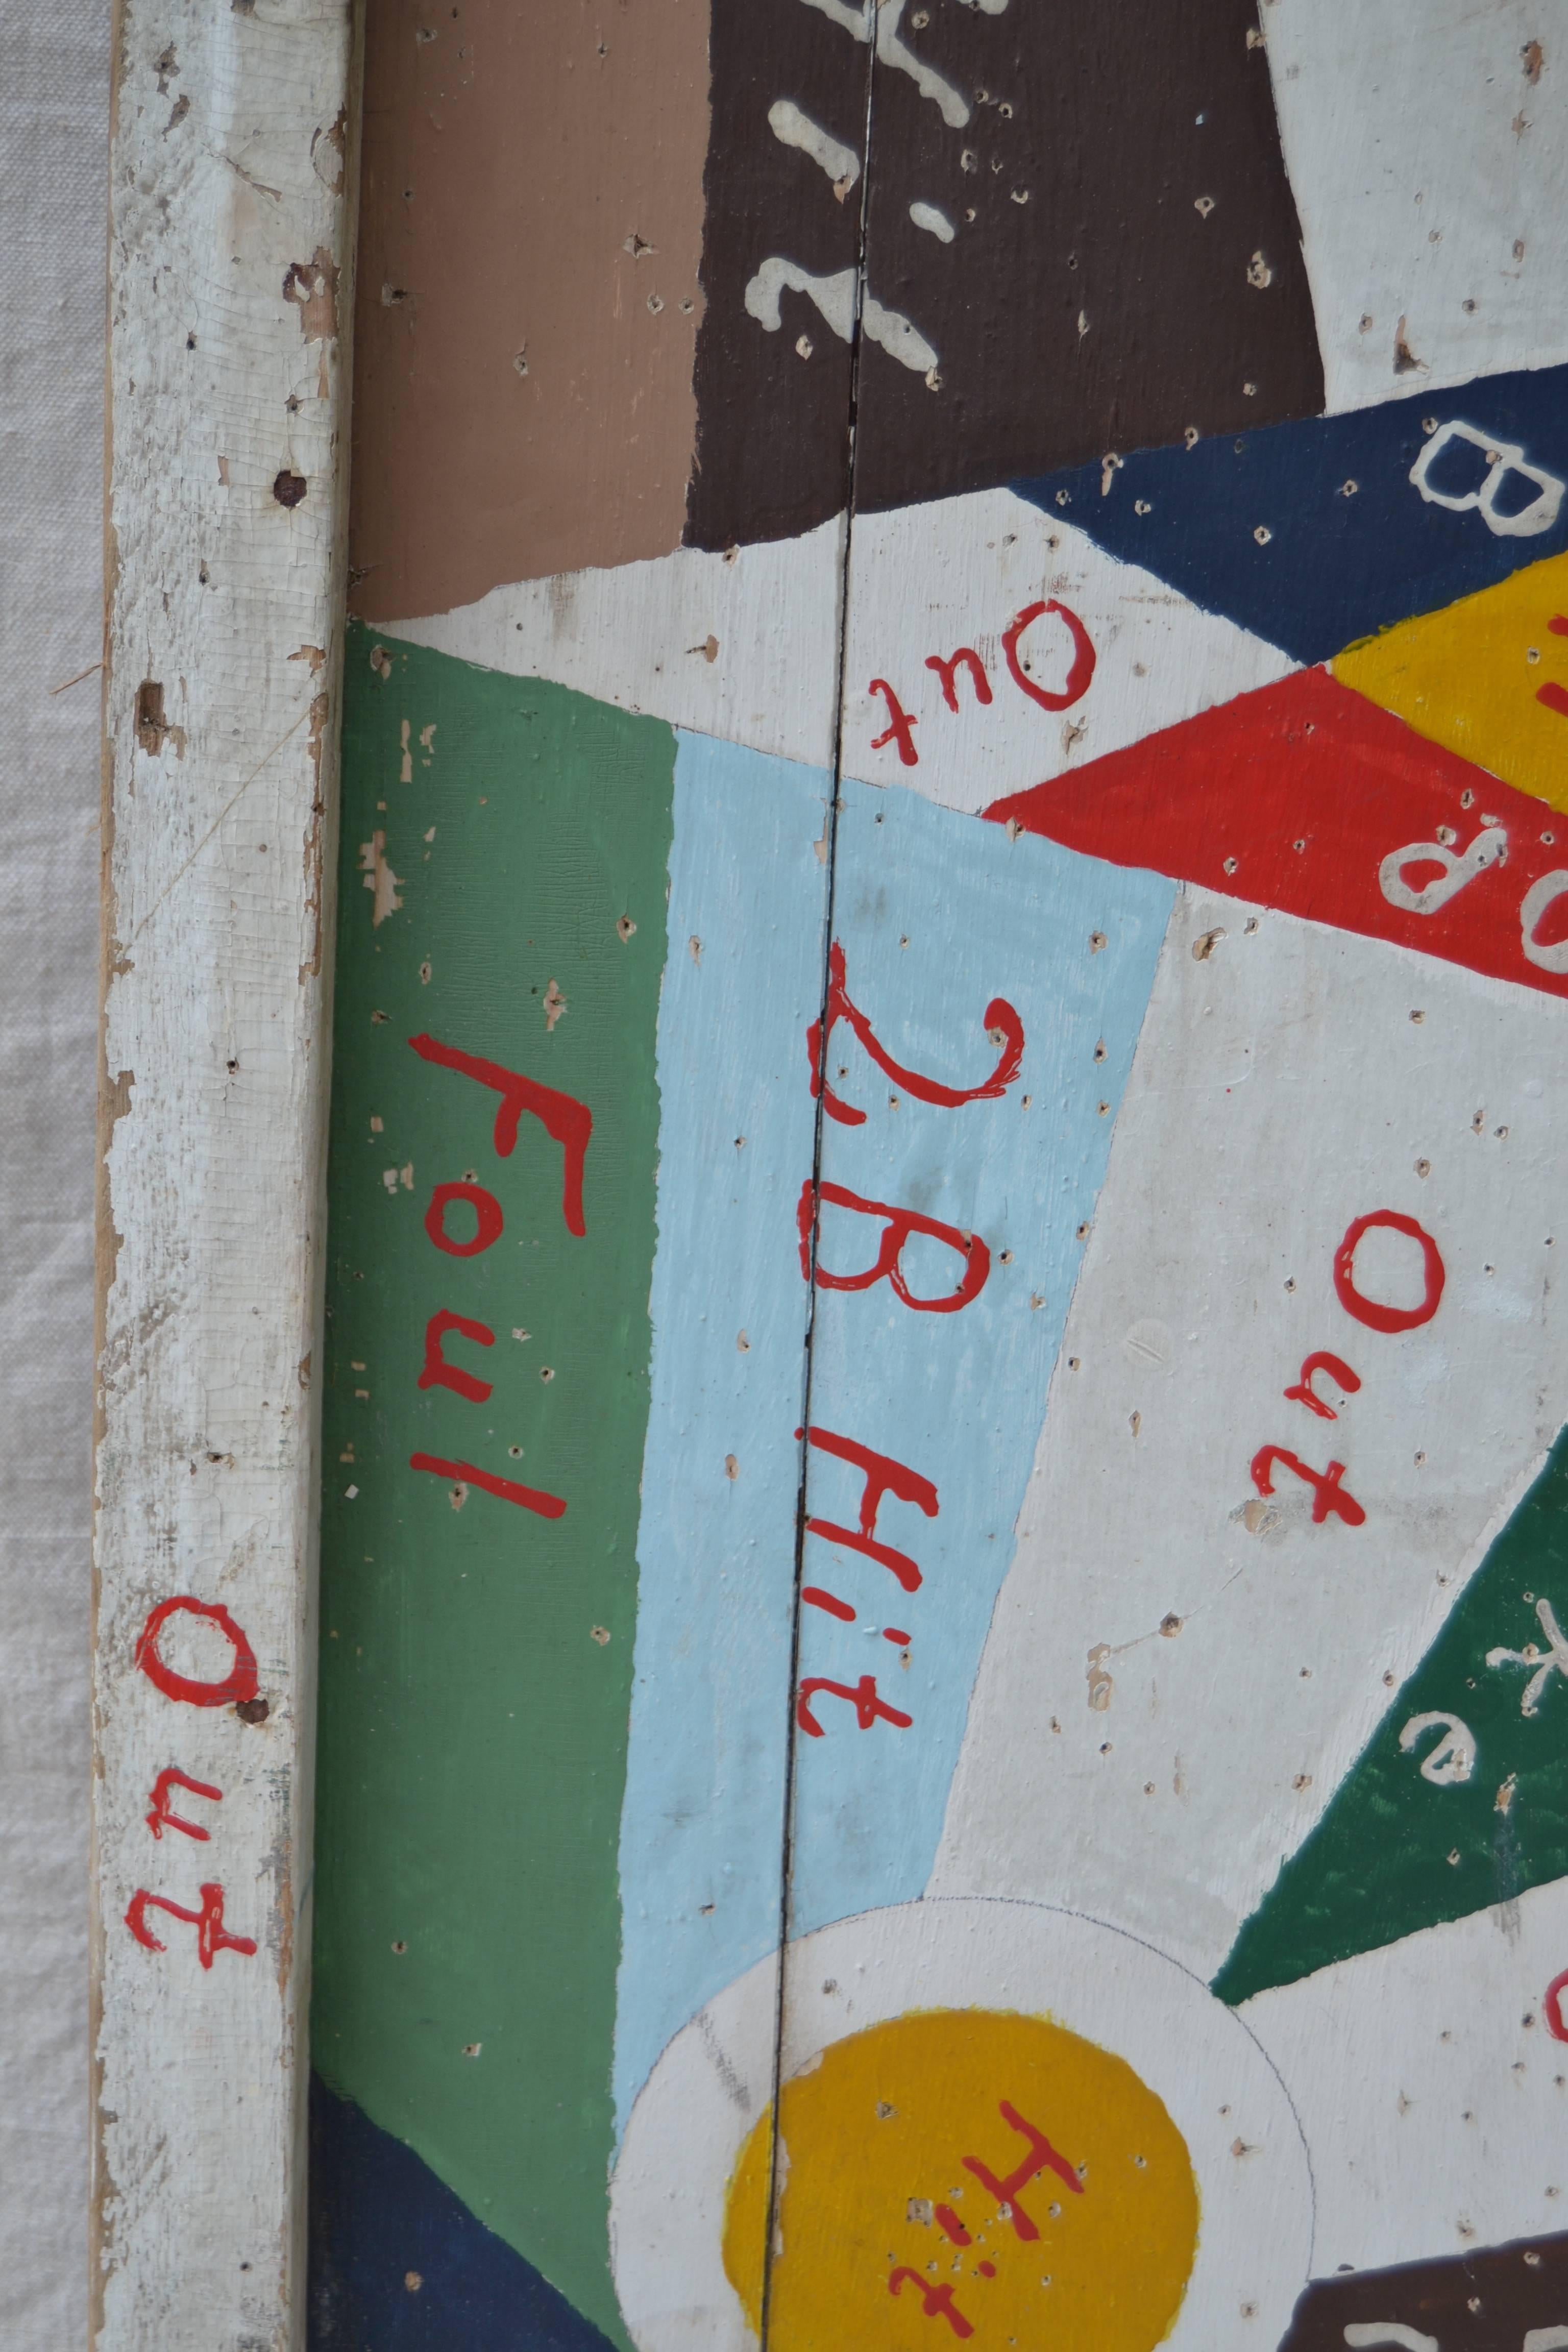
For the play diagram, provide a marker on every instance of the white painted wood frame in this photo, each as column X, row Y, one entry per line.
column 232, row 189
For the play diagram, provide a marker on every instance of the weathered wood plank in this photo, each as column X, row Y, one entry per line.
column 230, row 264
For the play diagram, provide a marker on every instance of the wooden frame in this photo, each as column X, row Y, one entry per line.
column 232, row 176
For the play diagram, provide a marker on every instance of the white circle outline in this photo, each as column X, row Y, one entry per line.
column 714, row 2079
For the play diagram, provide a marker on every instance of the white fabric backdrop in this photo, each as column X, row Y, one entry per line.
column 54, row 123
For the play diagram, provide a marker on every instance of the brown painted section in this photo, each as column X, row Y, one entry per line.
column 1480, row 2301
column 772, row 439
column 531, row 201
column 1131, row 268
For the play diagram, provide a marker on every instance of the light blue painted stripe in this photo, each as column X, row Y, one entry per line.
column 938, row 914
column 702, row 1824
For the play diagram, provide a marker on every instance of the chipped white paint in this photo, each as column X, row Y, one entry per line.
column 788, row 124
column 230, row 271
column 1283, row 1063
column 932, row 219
column 979, row 561
column 1427, row 148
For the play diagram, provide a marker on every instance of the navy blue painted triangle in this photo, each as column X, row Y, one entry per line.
column 1268, row 528
column 379, row 2218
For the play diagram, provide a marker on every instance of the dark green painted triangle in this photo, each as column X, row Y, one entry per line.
column 1395, row 1852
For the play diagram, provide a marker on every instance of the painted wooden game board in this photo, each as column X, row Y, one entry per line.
column 945, row 1696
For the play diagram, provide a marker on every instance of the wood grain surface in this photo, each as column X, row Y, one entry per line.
column 230, row 278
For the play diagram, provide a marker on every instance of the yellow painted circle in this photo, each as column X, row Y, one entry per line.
column 876, row 2195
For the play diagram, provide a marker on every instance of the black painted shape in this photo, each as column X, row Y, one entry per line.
column 1337, row 563
column 1484, row 2301
column 1089, row 304
column 378, row 2215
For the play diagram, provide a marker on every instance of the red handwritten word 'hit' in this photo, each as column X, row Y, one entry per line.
column 569, row 1123
column 1329, row 1495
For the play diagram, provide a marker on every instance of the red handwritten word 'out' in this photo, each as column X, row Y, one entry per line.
column 1371, row 1311
column 898, row 1226
column 1328, row 1495
column 1079, row 673
column 211, row 1936
column 567, row 1121
column 163, row 1814
column 902, row 723
column 1303, row 1393
column 900, row 727
column 239, row 1683
column 1000, row 1019
column 1551, row 2006
column 861, row 1695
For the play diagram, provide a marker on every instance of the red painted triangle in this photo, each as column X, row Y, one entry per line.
column 1308, row 797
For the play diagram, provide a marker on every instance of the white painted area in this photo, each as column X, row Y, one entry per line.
column 1430, row 173
column 926, row 580
column 933, row 219
column 1280, row 1089
column 688, row 2127
column 835, row 298
column 229, row 173
column 734, row 645
column 725, row 643
column 1436, row 2116
column 787, row 123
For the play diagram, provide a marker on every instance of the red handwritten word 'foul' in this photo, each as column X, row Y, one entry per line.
column 568, row 1121
column 438, row 1371
column 898, row 1226
column 548, row 1507
column 1000, row 1019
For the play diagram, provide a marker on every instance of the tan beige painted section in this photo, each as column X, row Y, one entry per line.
column 531, row 230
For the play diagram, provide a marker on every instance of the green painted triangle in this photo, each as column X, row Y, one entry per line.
column 1398, row 1851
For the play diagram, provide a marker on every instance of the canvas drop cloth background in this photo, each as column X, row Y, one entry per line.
column 54, row 109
